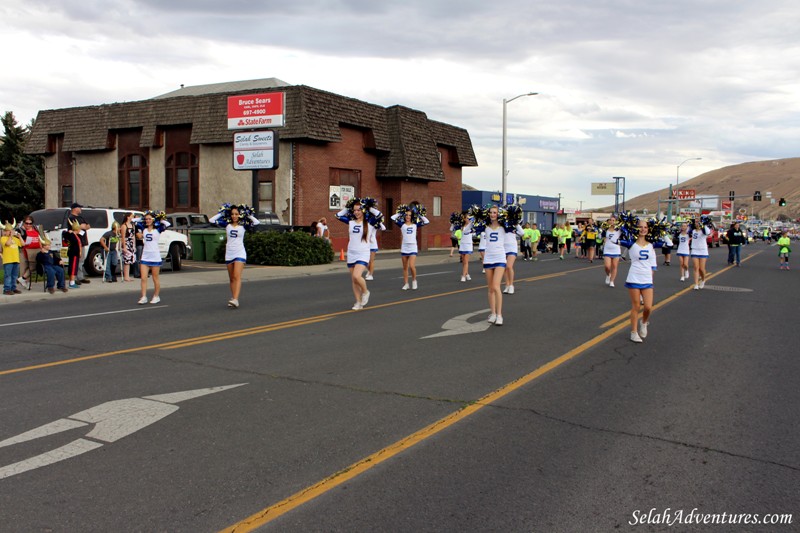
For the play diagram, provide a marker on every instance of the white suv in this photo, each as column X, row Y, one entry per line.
column 174, row 246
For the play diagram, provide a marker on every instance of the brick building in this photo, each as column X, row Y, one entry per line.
column 174, row 152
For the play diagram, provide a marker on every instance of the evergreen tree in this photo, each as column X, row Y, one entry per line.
column 21, row 175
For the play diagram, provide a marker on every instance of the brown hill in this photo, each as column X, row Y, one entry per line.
column 781, row 177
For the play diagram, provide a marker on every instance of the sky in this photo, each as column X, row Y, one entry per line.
column 629, row 88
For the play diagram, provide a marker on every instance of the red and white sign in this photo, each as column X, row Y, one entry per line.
column 249, row 111
column 726, row 206
column 255, row 150
column 685, row 194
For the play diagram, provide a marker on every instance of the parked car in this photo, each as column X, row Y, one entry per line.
column 173, row 246
column 269, row 221
column 186, row 221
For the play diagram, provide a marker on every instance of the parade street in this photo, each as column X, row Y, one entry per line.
column 296, row 413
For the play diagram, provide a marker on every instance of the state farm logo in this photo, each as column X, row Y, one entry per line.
column 253, row 121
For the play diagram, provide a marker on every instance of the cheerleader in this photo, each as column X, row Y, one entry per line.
column 513, row 214
column 149, row 231
column 358, row 248
column 683, row 251
column 611, row 249
column 413, row 217
column 373, row 249
column 699, row 251
column 640, row 281
column 494, row 264
column 234, row 218
column 465, row 246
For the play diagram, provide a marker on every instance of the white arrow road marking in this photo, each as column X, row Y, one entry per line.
column 460, row 325
column 112, row 421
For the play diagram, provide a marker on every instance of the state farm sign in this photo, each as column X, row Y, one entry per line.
column 248, row 111
column 255, row 150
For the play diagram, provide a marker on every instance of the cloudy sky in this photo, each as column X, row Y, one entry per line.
column 626, row 87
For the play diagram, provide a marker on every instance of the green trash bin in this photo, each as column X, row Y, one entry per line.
column 198, row 246
column 213, row 239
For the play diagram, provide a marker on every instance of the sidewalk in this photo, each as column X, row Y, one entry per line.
column 197, row 273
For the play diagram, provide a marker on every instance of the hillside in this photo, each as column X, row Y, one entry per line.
column 780, row 176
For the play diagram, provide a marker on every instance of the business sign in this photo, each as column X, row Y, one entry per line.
column 705, row 202
column 249, row 111
column 604, row 189
column 726, row 206
column 689, row 212
column 548, row 205
column 339, row 195
column 255, row 150
column 685, row 194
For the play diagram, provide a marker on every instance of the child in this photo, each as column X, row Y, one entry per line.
column 11, row 243
column 51, row 264
column 110, row 242
column 784, row 250
column 640, row 281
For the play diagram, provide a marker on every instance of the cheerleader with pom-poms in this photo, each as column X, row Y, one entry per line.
column 640, row 277
column 494, row 263
column 375, row 224
column 355, row 215
column 465, row 245
column 611, row 248
column 510, row 216
column 236, row 219
column 701, row 228
column 683, row 240
column 410, row 218
column 149, row 229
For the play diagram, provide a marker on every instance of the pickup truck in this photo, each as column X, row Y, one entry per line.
column 174, row 246
column 269, row 221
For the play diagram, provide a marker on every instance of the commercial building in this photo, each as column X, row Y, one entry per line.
column 541, row 210
column 175, row 152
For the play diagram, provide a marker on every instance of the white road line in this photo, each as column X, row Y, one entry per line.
column 84, row 316
column 428, row 274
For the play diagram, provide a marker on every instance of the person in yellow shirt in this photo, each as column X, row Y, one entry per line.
column 536, row 236
column 784, row 250
column 11, row 244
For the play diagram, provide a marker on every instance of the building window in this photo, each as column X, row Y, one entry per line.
column 133, row 182
column 348, row 177
column 66, row 195
column 182, row 178
column 437, row 206
column 266, row 197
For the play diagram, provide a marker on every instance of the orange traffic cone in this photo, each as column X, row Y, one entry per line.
column 341, row 255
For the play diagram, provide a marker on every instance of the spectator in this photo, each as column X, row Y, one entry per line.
column 71, row 239
column 51, row 265
column 11, row 243
column 536, row 237
column 110, row 242
column 527, row 234
column 75, row 216
column 128, row 246
column 27, row 256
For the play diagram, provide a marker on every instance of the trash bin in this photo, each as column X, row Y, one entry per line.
column 198, row 246
column 213, row 239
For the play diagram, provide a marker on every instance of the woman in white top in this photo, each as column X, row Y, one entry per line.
column 683, row 250
column 611, row 249
column 640, row 281
column 149, row 231
column 494, row 264
column 357, row 248
column 511, row 246
column 465, row 246
column 700, row 230
column 409, row 248
column 235, row 253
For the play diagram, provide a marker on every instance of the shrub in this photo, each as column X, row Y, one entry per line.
column 272, row 248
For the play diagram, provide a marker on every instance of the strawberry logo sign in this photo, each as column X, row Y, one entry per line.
column 255, row 150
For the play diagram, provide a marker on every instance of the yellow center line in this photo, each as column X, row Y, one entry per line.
column 193, row 341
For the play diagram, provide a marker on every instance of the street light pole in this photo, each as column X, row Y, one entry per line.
column 677, row 182
column 505, row 171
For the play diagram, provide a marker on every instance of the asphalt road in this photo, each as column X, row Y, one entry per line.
column 339, row 420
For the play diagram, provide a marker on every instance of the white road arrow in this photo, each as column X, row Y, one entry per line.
column 460, row 325
column 112, row 421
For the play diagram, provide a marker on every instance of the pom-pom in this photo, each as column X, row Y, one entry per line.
column 456, row 220
column 510, row 216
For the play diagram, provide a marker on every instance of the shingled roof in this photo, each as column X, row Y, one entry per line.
column 405, row 140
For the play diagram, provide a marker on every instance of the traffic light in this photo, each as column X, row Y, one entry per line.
column 731, row 195
column 757, row 196
column 782, row 202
